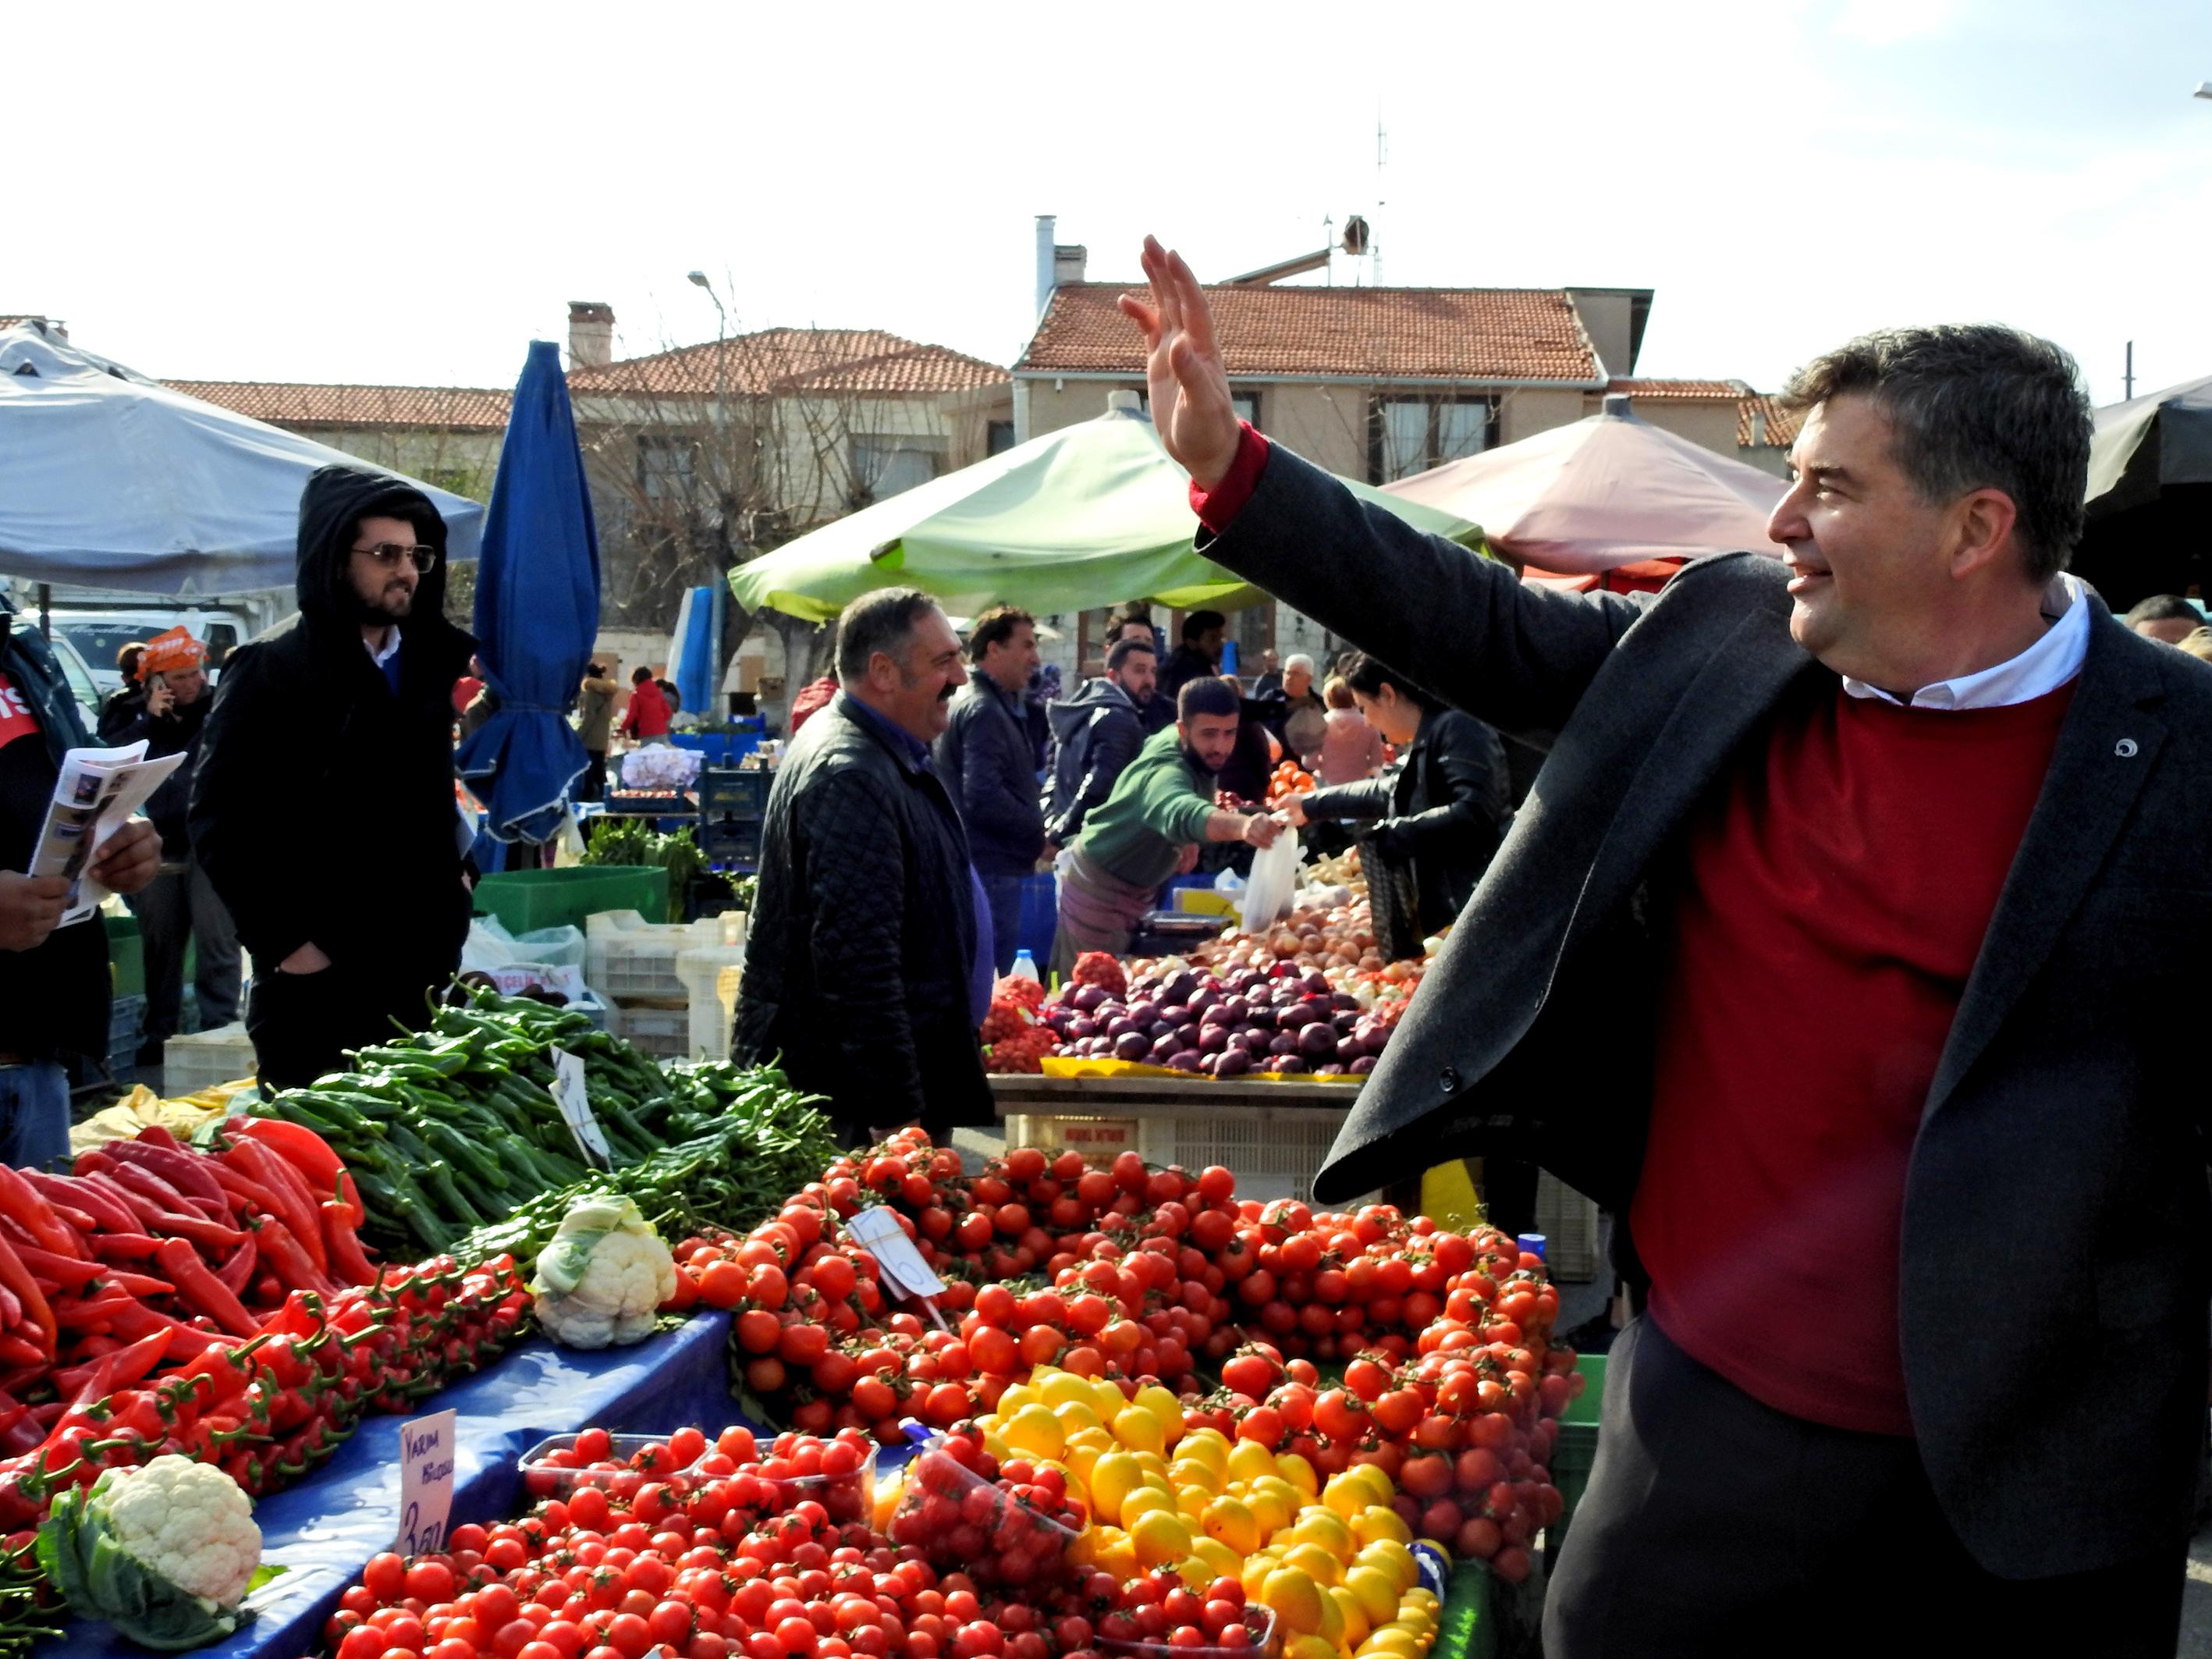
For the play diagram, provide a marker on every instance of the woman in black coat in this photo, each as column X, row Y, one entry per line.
column 1442, row 806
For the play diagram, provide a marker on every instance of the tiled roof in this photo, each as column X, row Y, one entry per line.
column 1781, row 424
column 1700, row 390
column 451, row 408
column 856, row 361
column 1392, row 333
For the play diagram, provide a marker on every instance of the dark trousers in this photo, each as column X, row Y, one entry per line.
column 593, row 785
column 1714, row 1526
column 303, row 1023
column 178, row 905
column 1005, row 895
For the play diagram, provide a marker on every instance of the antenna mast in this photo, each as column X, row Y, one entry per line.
column 1382, row 159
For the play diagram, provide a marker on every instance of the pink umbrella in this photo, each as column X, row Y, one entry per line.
column 1607, row 490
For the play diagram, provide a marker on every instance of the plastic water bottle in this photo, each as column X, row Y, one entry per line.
column 1024, row 967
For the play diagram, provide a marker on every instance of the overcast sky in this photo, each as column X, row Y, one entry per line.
column 408, row 193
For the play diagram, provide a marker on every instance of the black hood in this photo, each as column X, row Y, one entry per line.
column 334, row 502
column 1069, row 715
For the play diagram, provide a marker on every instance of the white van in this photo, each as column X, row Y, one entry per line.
column 98, row 636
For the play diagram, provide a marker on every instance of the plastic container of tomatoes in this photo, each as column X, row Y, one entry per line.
column 554, row 1468
column 1265, row 1644
column 960, row 1521
column 847, row 1498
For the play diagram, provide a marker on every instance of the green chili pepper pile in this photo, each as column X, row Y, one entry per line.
column 454, row 1131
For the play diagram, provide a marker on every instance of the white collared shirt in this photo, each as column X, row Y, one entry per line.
column 391, row 647
column 2041, row 669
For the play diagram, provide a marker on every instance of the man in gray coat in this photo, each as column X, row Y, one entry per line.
column 1908, row 837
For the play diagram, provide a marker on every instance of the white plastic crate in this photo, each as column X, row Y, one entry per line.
column 661, row 1033
column 1272, row 1150
column 204, row 1059
column 1569, row 1222
column 630, row 959
column 710, row 979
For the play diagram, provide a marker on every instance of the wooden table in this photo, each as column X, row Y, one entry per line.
column 1273, row 1135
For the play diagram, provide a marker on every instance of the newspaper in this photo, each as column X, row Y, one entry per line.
column 98, row 790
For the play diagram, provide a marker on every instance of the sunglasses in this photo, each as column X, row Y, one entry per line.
column 388, row 554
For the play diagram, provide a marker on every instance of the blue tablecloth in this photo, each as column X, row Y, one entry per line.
column 326, row 1529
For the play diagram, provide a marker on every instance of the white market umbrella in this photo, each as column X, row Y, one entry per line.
column 1605, row 491
column 109, row 479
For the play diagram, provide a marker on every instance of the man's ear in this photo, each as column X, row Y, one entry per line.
column 1983, row 525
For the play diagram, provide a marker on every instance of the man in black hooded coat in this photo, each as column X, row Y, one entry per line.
column 324, row 807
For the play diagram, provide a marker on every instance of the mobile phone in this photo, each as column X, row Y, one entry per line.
column 157, row 681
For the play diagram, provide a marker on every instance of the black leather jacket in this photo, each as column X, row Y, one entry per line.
column 1443, row 806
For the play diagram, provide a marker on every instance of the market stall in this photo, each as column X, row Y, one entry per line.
column 886, row 1350
column 1605, row 492
column 110, row 479
column 1085, row 516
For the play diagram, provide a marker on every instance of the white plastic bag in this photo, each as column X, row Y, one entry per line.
column 1274, row 880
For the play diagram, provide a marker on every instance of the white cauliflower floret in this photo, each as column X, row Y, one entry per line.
column 190, row 1522
column 604, row 1276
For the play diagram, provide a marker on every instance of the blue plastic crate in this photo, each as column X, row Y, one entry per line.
column 126, row 1025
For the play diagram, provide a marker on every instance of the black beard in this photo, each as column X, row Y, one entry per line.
column 379, row 616
column 1197, row 762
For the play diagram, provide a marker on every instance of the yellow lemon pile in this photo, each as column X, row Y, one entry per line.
column 1331, row 1561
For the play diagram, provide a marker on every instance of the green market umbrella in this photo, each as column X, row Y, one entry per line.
column 1080, row 517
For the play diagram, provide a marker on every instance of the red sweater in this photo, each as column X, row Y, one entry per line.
column 1833, row 894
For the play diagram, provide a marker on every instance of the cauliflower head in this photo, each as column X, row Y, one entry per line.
column 166, row 1552
column 602, row 1279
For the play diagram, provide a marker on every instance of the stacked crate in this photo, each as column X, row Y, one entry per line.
column 635, row 965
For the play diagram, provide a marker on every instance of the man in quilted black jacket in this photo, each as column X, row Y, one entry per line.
column 862, row 959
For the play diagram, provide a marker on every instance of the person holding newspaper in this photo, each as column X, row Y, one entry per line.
column 53, row 980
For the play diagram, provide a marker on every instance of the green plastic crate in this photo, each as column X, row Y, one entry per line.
column 126, row 955
column 527, row 900
column 1467, row 1625
column 1576, row 1449
column 1585, row 1410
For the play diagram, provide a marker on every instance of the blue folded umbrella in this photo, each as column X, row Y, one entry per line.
column 537, row 611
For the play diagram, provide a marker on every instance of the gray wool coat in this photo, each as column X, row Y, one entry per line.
column 2054, row 1279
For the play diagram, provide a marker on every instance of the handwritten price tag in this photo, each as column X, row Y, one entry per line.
column 575, row 1104
column 879, row 1230
column 426, row 1482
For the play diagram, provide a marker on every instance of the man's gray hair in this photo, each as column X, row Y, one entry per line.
column 1974, row 406
column 1296, row 661
column 881, row 621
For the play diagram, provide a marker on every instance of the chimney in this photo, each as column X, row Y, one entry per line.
column 1067, row 264
column 1047, row 277
column 591, row 334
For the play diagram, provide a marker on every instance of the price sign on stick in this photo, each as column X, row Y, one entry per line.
column 900, row 1262
column 426, row 1482
column 576, row 1103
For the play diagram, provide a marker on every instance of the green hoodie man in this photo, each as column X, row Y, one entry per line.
column 1162, row 808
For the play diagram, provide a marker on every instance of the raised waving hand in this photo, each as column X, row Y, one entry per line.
column 1190, row 403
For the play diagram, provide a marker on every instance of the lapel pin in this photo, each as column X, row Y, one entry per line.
column 2126, row 748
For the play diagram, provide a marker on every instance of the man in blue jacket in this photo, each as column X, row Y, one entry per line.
column 985, row 759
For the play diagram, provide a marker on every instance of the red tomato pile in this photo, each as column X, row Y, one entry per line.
column 1135, row 1274
column 1463, row 1417
column 1158, row 1607
column 1010, row 1528
column 624, row 1572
